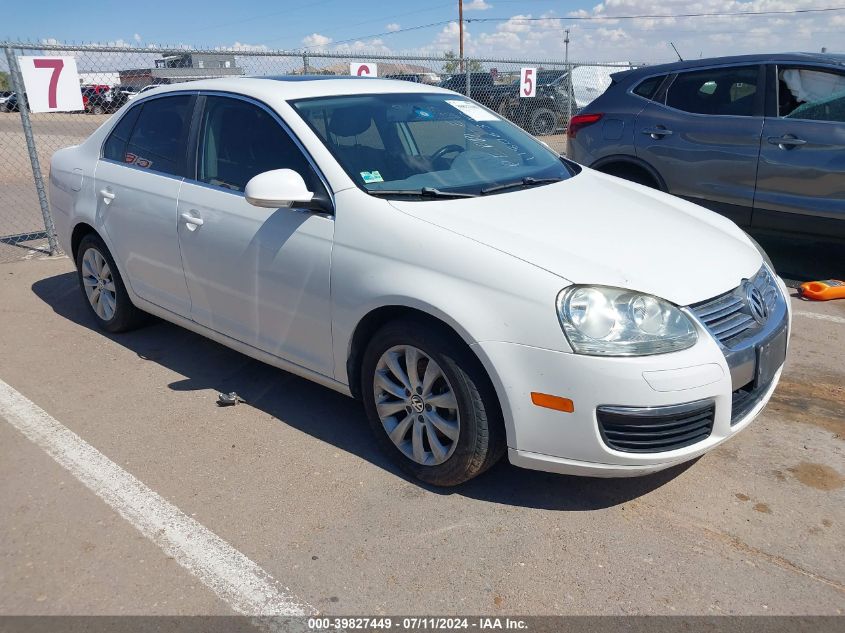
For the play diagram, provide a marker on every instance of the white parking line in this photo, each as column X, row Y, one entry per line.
column 820, row 317
column 237, row 580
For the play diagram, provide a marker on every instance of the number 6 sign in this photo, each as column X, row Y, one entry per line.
column 363, row 70
column 51, row 83
column 527, row 82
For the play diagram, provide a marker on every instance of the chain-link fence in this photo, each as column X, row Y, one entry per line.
column 110, row 76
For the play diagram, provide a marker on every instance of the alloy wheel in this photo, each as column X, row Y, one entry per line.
column 416, row 405
column 98, row 282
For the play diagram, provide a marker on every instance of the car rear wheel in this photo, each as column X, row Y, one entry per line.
column 430, row 404
column 103, row 287
column 542, row 122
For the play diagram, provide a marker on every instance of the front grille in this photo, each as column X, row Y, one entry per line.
column 655, row 429
column 729, row 317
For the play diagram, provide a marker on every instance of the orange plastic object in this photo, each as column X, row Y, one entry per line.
column 552, row 402
column 823, row 290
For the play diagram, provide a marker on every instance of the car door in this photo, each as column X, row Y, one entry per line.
column 801, row 177
column 260, row 276
column 702, row 135
column 137, row 184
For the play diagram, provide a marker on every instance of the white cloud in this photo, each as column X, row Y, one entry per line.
column 240, row 46
column 393, row 27
column 647, row 39
column 137, row 38
column 477, row 5
column 315, row 40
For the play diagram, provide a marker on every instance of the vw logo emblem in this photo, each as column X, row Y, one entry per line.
column 417, row 403
column 756, row 303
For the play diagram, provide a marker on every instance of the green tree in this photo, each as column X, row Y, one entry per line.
column 452, row 64
column 5, row 81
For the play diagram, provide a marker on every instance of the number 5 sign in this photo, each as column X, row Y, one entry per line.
column 527, row 82
column 363, row 70
column 51, row 83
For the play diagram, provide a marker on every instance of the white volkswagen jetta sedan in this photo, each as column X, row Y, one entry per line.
column 404, row 245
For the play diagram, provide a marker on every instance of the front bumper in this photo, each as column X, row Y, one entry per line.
column 572, row 443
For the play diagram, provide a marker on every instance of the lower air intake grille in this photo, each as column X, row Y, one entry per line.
column 655, row 429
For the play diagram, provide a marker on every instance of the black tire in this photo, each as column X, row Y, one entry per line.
column 542, row 122
column 126, row 316
column 481, row 440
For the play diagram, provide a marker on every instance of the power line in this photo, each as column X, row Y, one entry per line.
column 658, row 16
column 364, row 37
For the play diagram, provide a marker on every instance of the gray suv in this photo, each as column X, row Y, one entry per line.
column 758, row 138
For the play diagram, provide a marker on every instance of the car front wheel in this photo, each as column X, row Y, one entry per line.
column 103, row 287
column 430, row 404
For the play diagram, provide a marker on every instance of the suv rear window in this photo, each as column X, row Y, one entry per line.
column 648, row 87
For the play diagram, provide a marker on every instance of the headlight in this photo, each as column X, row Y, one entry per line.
column 604, row 321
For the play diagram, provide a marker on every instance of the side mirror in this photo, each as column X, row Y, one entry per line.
column 277, row 188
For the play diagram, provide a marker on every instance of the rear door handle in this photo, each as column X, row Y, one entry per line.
column 192, row 221
column 108, row 196
column 786, row 142
column 658, row 132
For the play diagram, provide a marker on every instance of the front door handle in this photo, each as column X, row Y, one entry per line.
column 787, row 142
column 192, row 221
column 108, row 196
column 658, row 132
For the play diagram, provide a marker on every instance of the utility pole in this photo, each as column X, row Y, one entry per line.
column 461, row 31
column 568, row 78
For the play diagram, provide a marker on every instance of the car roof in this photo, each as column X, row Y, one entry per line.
column 288, row 87
column 823, row 58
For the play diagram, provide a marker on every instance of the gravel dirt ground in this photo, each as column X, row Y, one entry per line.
column 293, row 480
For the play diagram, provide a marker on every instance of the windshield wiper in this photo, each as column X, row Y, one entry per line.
column 528, row 181
column 425, row 192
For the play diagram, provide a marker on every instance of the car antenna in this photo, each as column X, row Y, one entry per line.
column 672, row 44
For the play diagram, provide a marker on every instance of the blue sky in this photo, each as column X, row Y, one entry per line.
column 346, row 25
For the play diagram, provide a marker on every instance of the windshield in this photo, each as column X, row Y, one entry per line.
column 432, row 143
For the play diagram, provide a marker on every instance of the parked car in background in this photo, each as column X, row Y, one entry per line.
column 4, row 97
column 10, row 103
column 98, row 99
column 758, row 138
column 483, row 88
column 547, row 111
column 431, row 79
column 403, row 245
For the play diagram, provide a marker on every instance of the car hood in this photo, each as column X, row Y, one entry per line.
column 596, row 229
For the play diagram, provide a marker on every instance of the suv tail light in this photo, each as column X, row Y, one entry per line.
column 581, row 120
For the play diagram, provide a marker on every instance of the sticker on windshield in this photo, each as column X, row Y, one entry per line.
column 371, row 176
column 472, row 110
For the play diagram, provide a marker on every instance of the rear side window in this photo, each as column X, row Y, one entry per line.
column 718, row 91
column 157, row 141
column 648, row 87
column 115, row 145
column 240, row 140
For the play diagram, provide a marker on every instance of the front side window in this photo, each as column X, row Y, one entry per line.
column 414, row 141
column 239, row 140
column 717, row 91
column 811, row 94
column 157, row 141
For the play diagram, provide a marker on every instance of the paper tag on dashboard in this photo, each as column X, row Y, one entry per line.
column 472, row 110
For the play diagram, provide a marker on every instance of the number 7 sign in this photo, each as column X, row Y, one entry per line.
column 51, row 83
